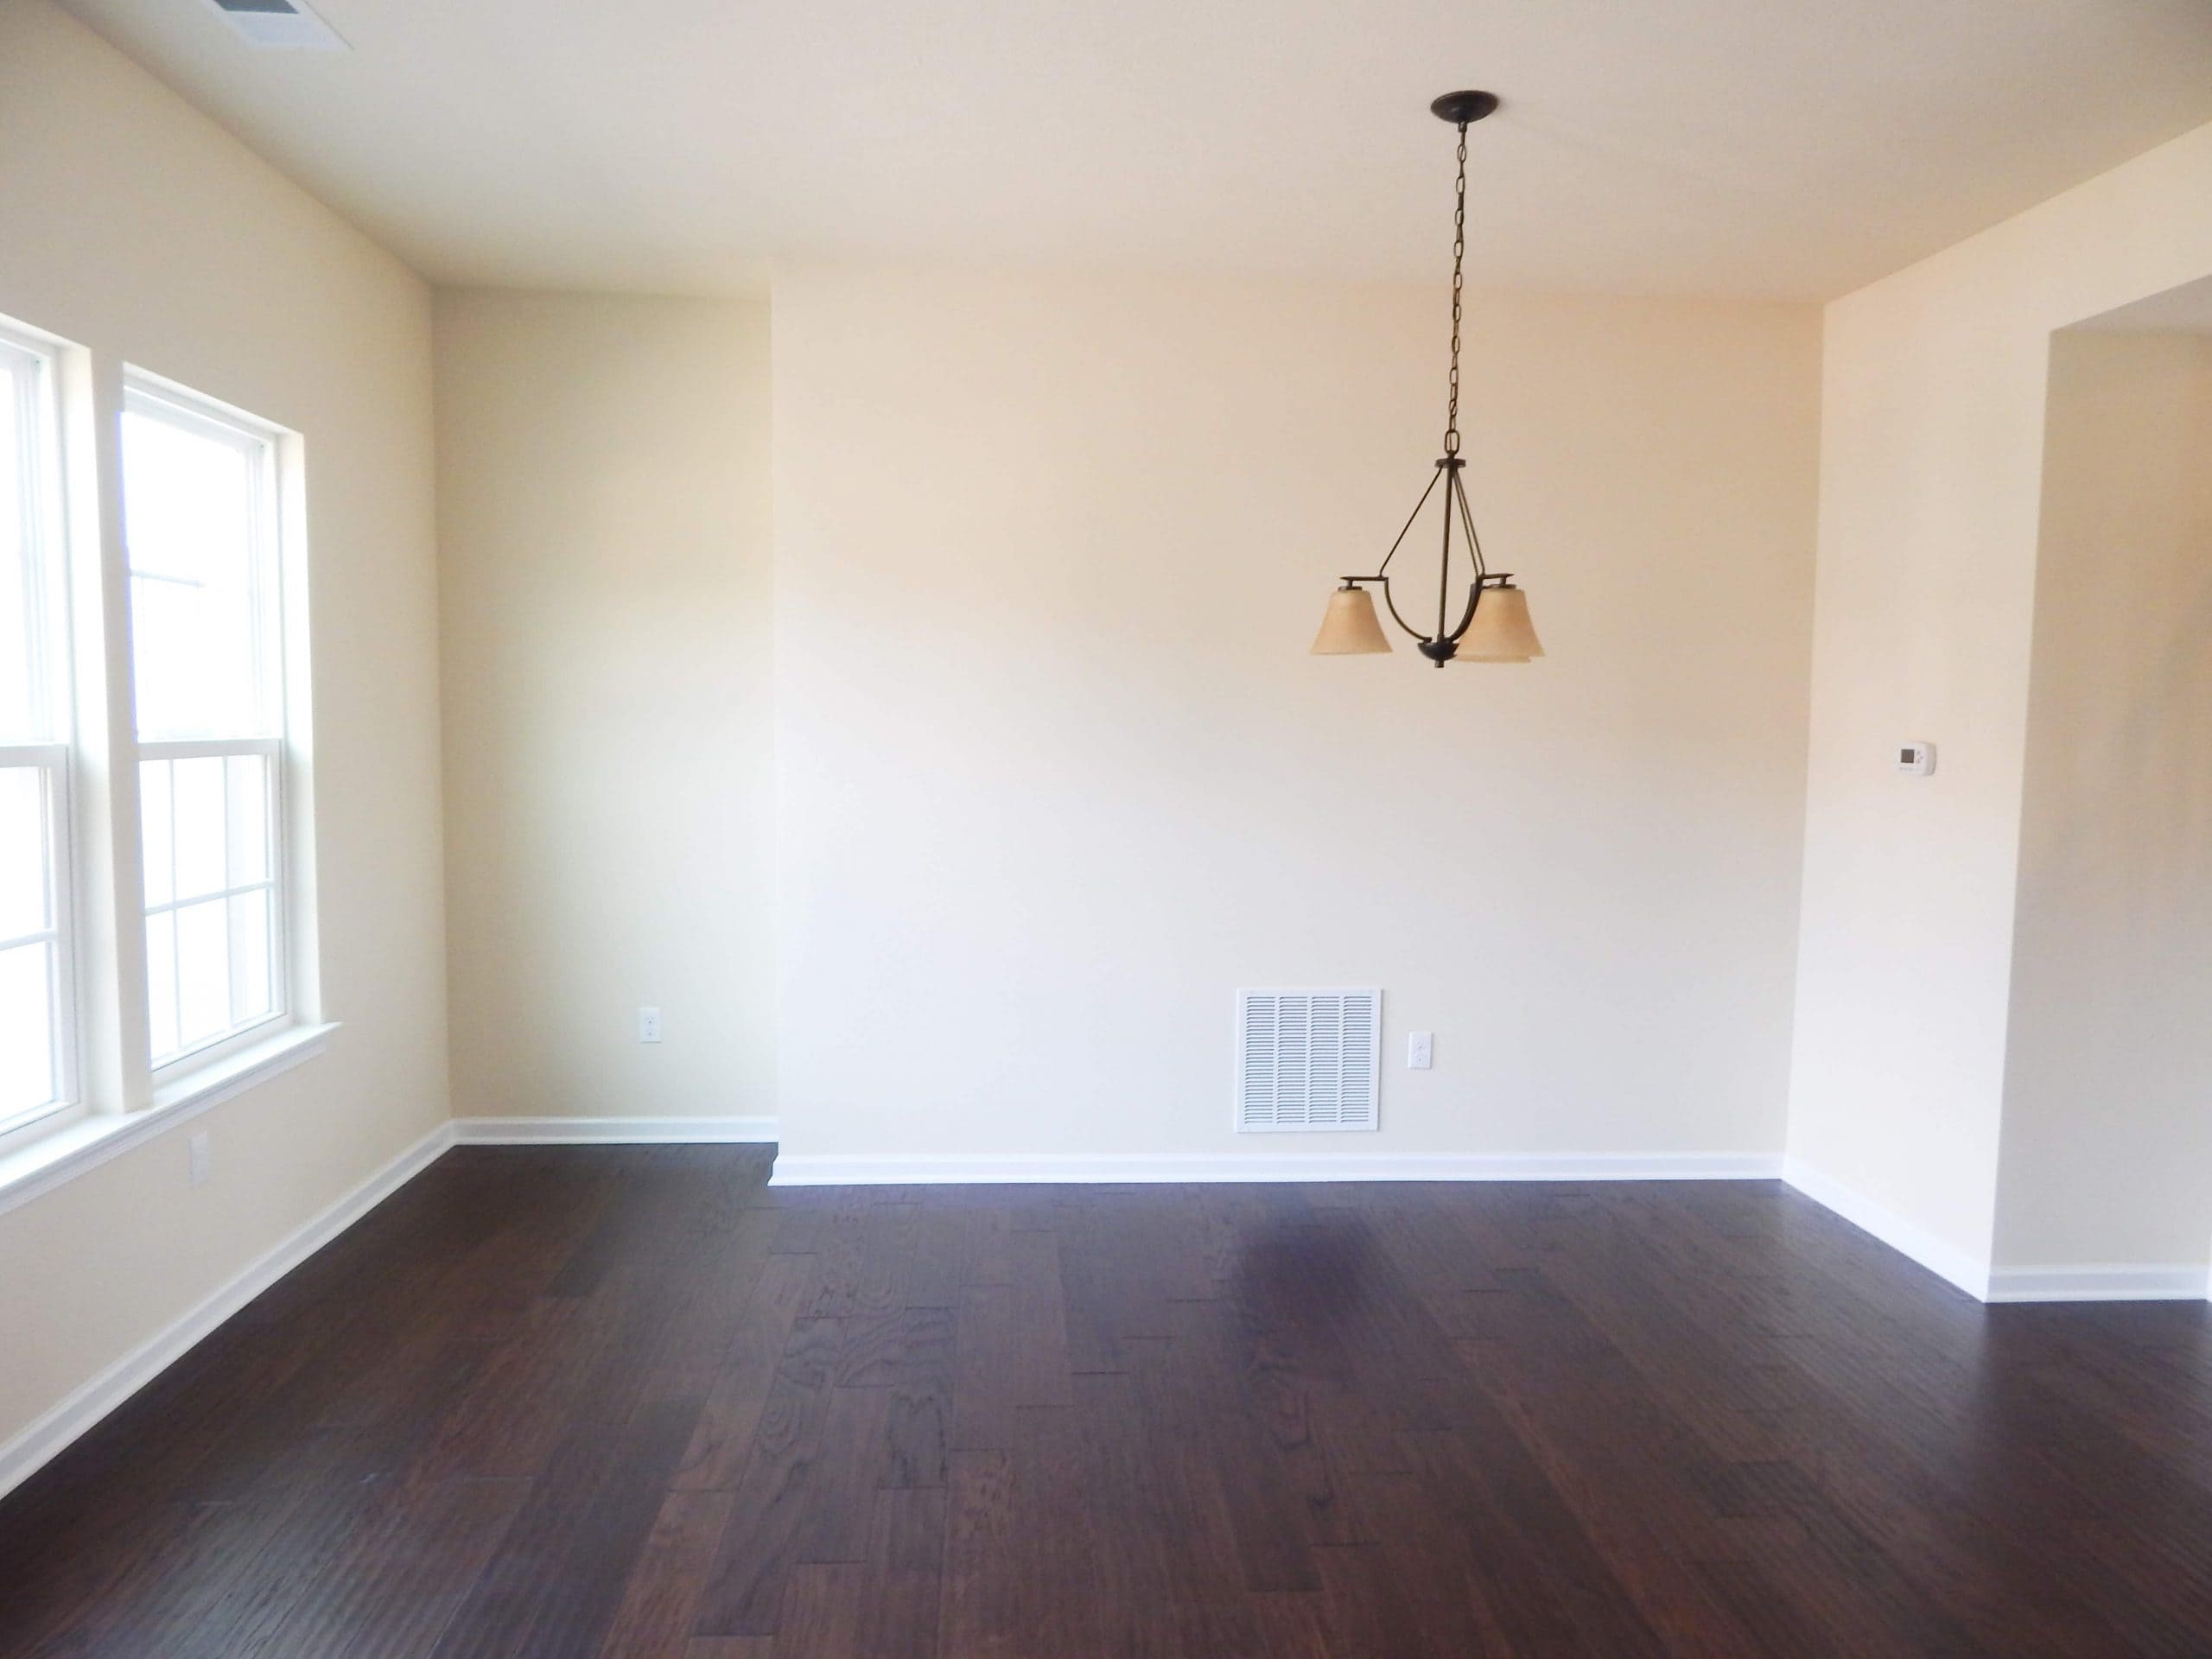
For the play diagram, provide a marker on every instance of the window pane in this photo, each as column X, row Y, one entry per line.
column 252, row 996
column 197, row 792
column 23, row 852
column 26, row 1029
column 191, row 501
column 159, row 843
column 194, row 656
column 161, row 984
column 33, row 868
column 248, row 819
column 203, row 972
column 19, row 714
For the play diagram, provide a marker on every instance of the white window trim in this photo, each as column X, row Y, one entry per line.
column 46, row 527
column 265, row 443
column 119, row 1101
column 79, row 1141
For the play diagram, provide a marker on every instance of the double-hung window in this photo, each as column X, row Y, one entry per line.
column 201, row 530
column 37, row 995
column 157, row 943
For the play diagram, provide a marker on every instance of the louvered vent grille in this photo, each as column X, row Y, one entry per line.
column 1308, row 1059
column 278, row 22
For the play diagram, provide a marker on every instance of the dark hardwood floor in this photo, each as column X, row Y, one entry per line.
column 634, row 1403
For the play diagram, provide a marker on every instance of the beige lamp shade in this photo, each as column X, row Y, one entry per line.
column 1349, row 627
column 1501, row 631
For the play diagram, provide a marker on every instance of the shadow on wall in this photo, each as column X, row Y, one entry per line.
column 2106, row 1152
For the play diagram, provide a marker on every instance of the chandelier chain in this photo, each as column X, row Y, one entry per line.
column 1458, row 281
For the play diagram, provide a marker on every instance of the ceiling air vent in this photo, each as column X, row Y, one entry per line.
column 278, row 22
column 1308, row 1060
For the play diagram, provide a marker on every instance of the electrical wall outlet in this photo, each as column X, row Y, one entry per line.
column 1420, row 1050
column 649, row 1025
column 200, row 1158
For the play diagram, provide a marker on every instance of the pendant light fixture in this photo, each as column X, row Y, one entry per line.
column 1494, row 628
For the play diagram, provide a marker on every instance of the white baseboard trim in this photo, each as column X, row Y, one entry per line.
column 936, row 1168
column 608, row 1131
column 1945, row 1261
column 50, row 1432
column 2138, row 1282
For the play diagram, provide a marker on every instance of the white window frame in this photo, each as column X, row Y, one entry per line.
column 262, row 443
column 85, row 749
column 44, row 529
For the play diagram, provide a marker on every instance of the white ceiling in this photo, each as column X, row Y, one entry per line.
column 1785, row 147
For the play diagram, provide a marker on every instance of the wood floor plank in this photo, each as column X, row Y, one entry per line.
column 660, row 1598
column 980, row 1609
column 855, row 1436
column 1271, row 1517
column 722, row 1443
column 919, row 1433
column 902, row 1582
column 932, row 1271
column 1053, row 1558
column 821, row 1613
column 1042, row 1369
column 745, row 1591
column 402, row 1577
column 556, row 1580
column 1133, row 1546
column 985, row 1381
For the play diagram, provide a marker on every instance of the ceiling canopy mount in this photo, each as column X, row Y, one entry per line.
column 1464, row 109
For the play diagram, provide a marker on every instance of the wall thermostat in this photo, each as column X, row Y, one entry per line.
column 1917, row 758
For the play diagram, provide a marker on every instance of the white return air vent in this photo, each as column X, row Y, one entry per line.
column 1308, row 1060
column 278, row 22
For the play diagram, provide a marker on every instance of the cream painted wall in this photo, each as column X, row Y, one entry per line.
column 1057, row 775
column 2107, row 1137
column 603, row 504
column 1931, row 446
column 132, row 225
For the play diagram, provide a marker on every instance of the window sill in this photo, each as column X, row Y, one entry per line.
column 88, row 1142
